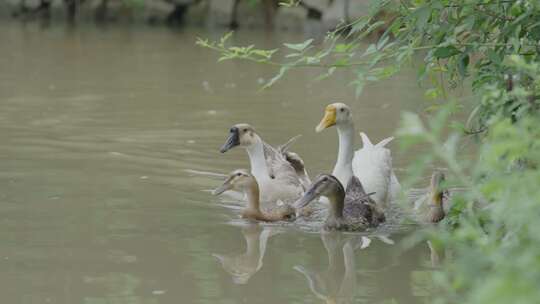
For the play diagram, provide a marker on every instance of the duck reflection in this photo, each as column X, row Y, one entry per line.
column 336, row 284
column 437, row 253
column 243, row 266
column 422, row 281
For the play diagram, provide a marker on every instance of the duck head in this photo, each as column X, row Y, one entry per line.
column 436, row 185
column 240, row 135
column 324, row 185
column 238, row 180
column 335, row 114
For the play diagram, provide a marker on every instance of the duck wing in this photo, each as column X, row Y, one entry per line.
column 278, row 166
column 285, row 147
column 296, row 161
column 355, row 197
column 372, row 164
column 360, row 205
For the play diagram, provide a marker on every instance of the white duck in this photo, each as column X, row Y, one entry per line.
column 372, row 164
column 277, row 178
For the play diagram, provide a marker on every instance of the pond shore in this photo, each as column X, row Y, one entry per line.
column 212, row 13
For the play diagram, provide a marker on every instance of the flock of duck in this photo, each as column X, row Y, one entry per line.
column 359, row 191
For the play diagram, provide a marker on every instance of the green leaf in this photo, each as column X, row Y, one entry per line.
column 225, row 38
column 382, row 42
column 494, row 56
column 463, row 64
column 342, row 47
column 446, row 52
column 341, row 62
column 422, row 15
column 280, row 74
column 329, row 73
column 374, row 26
column 359, row 82
column 312, row 60
column 359, row 26
column 411, row 125
column 432, row 93
column 299, row 46
column 293, row 55
column 372, row 48
column 264, row 53
column 384, row 72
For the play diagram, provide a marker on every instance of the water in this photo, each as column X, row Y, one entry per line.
column 98, row 128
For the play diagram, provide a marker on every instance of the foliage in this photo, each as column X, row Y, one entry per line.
column 491, row 46
column 492, row 229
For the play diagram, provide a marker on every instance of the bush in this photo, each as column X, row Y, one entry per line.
column 491, row 46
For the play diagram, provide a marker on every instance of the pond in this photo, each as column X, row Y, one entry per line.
column 100, row 127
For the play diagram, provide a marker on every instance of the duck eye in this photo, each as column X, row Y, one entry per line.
column 342, row 110
column 245, row 130
column 238, row 174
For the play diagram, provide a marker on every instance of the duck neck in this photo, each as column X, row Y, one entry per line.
column 336, row 205
column 343, row 168
column 436, row 211
column 257, row 160
column 253, row 203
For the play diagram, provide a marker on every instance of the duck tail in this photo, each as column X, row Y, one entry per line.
column 384, row 142
column 365, row 140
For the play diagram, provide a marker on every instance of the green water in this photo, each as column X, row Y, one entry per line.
column 98, row 129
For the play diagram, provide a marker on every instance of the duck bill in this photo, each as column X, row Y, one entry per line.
column 232, row 141
column 328, row 120
column 226, row 186
column 308, row 197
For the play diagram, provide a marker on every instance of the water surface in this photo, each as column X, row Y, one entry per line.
column 98, row 128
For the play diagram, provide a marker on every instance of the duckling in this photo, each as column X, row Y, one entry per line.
column 350, row 210
column 430, row 204
column 241, row 180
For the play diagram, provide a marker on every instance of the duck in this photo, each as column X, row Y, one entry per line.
column 242, row 180
column 430, row 207
column 372, row 164
column 277, row 178
column 350, row 210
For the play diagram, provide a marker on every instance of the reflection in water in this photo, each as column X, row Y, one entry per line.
column 337, row 284
column 243, row 266
column 422, row 280
column 437, row 253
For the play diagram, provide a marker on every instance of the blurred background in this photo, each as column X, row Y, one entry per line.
column 176, row 13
